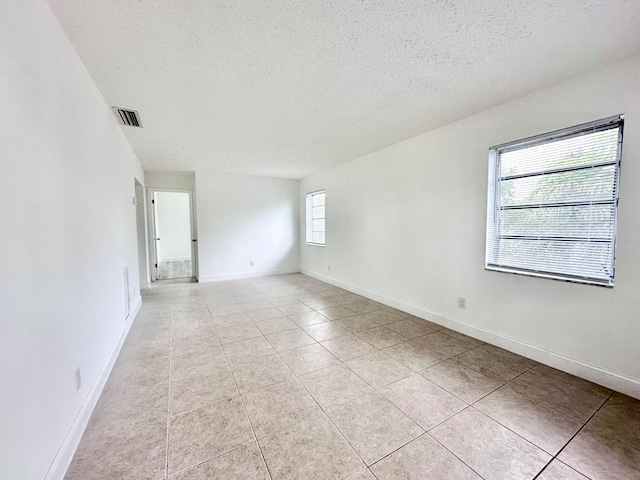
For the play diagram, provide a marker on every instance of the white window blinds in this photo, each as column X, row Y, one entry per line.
column 552, row 203
column 315, row 218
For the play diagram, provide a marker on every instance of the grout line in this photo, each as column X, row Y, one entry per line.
column 375, row 389
column 554, row 457
column 244, row 407
column 166, row 463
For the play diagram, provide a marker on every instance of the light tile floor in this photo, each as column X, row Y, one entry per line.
column 287, row 377
column 173, row 270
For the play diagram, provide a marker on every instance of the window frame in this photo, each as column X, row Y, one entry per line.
column 494, row 195
column 309, row 218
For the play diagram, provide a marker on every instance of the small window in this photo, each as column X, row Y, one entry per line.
column 552, row 204
column 315, row 218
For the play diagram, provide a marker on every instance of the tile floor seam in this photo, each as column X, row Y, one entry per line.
column 240, row 292
column 244, row 407
column 555, row 457
column 544, row 404
column 323, row 410
column 353, row 399
column 451, row 452
column 166, row 470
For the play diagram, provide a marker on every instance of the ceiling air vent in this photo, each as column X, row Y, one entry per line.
column 130, row 118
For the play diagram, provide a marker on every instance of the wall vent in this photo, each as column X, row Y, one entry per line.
column 130, row 118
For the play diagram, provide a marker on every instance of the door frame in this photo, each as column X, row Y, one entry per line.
column 153, row 270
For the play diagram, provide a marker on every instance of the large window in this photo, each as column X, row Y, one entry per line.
column 552, row 203
column 315, row 218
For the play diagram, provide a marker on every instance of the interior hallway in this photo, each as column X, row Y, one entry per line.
column 288, row 377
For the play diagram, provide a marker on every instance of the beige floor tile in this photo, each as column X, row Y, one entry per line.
column 336, row 313
column 373, row 426
column 464, row 383
column 348, row 347
column 283, row 300
column 378, row 369
column 257, row 305
column 231, row 320
column 542, row 426
column 306, row 319
column 200, row 389
column 200, row 359
column 626, row 401
column 279, row 406
column 294, row 308
column 325, row 331
column 335, row 385
column 365, row 306
column 619, row 422
column 135, row 454
column 308, row 359
column 381, row 337
column 573, row 380
column 444, row 344
column 239, row 332
column 422, row 401
column 382, row 317
column 414, row 355
column 555, row 393
column 492, row 364
column 364, row 475
column 207, row 432
column 225, row 310
column 600, row 457
column 557, row 470
column 488, row 448
column 311, row 449
column 239, row 464
column 355, row 324
column 257, row 373
column 130, row 408
column 192, row 345
column 514, row 357
column 460, row 336
column 246, row 350
column 409, row 329
column 400, row 313
column 276, row 325
column 184, row 340
column 264, row 314
column 423, row 459
column 289, row 340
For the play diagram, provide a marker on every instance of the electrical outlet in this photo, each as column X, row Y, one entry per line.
column 251, row 263
column 78, row 379
column 328, row 268
column 462, row 303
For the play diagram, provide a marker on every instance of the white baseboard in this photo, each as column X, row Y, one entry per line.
column 62, row 460
column 242, row 275
column 620, row 383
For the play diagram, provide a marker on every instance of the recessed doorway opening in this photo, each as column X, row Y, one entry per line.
column 173, row 238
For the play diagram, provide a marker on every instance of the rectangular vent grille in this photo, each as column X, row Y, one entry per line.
column 130, row 118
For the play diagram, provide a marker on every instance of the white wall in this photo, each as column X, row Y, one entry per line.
column 407, row 225
column 243, row 218
column 173, row 223
column 172, row 180
column 68, row 228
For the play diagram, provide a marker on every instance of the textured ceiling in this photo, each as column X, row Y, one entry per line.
column 287, row 88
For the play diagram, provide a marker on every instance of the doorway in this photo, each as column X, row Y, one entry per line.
column 173, row 235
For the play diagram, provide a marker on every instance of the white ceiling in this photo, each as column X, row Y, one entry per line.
column 287, row 88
